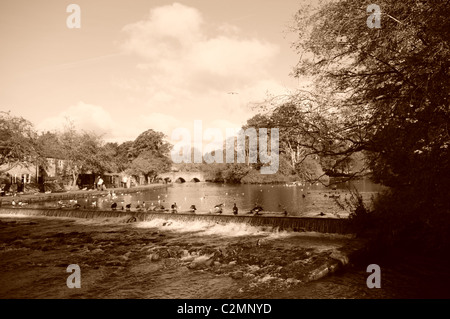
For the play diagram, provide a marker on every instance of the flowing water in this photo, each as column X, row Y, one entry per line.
column 173, row 259
column 162, row 258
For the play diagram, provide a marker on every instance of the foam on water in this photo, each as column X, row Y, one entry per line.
column 20, row 215
column 14, row 216
column 210, row 228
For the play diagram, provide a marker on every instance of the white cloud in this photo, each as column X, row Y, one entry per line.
column 83, row 116
column 167, row 29
column 161, row 122
column 185, row 69
column 94, row 118
column 190, row 66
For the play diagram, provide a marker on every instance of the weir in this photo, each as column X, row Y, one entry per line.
column 322, row 225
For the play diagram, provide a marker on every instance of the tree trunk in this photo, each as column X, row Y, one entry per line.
column 75, row 178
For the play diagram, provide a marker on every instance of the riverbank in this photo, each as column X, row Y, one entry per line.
column 74, row 194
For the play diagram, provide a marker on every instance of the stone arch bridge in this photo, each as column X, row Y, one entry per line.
column 182, row 177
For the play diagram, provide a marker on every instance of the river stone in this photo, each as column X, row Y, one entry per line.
column 333, row 266
column 153, row 257
column 237, row 274
column 318, row 273
column 337, row 255
column 292, row 281
column 188, row 258
column 209, row 262
column 184, row 253
column 196, row 265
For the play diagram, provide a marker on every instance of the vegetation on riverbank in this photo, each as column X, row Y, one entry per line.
column 382, row 92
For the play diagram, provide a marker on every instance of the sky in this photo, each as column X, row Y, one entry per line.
column 138, row 65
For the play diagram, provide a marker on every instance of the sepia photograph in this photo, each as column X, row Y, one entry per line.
column 240, row 152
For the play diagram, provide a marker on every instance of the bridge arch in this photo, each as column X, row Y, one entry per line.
column 182, row 177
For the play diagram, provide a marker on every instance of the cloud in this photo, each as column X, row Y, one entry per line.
column 173, row 42
column 161, row 122
column 93, row 118
column 167, row 30
column 184, row 70
column 83, row 116
column 189, row 66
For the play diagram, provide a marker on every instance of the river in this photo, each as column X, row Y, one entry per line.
column 301, row 200
column 161, row 259
column 182, row 259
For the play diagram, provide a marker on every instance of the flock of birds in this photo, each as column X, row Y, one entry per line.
column 73, row 204
column 145, row 207
column 112, row 197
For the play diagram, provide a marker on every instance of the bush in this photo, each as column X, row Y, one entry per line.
column 360, row 217
column 402, row 222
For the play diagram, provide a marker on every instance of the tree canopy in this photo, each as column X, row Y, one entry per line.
column 149, row 154
column 380, row 91
column 384, row 91
column 18, row 140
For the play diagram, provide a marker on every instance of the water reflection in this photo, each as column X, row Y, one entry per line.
column 297, row 200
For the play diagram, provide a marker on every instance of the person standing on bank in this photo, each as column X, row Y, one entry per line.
column 100, row 183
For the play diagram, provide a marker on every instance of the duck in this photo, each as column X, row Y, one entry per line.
column 217, row 209
column 192, row 209
column 255, row 210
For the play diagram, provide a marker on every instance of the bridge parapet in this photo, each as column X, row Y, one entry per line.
column 182, row 177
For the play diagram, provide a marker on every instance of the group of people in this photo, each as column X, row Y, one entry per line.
column 125, row 182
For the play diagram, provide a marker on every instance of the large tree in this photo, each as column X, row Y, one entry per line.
column 149, row 140
column 18, row 141
column 149, row 154
column 295, row 158
column 150, row 164
column 383, row 91
column 83, row 152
